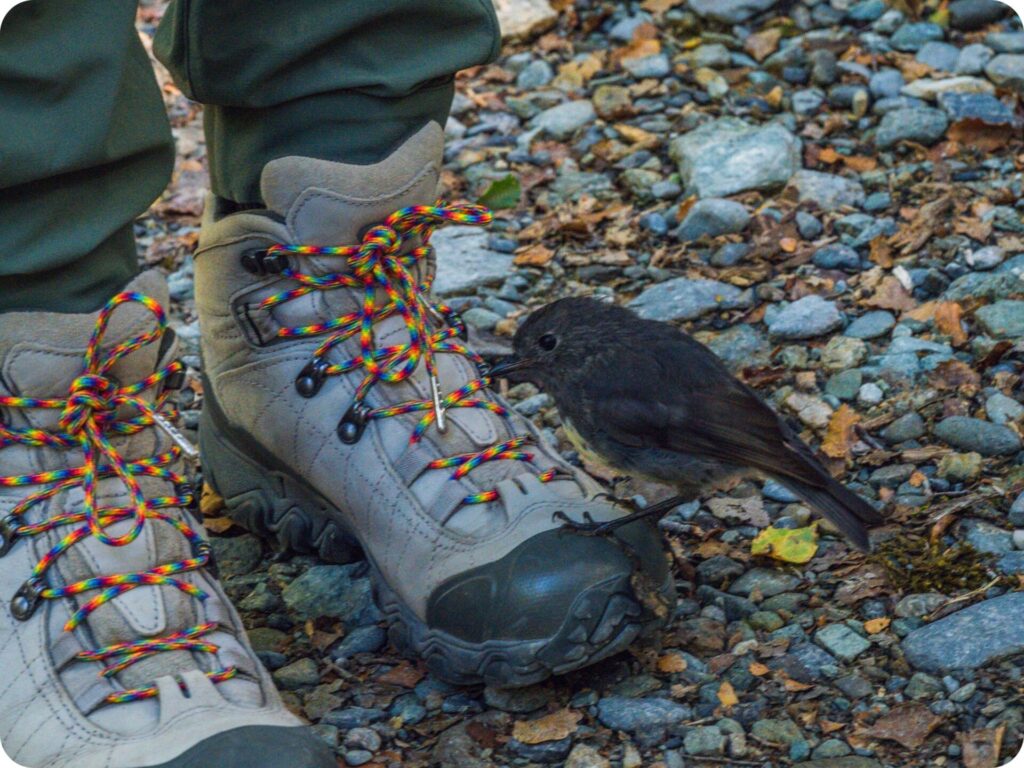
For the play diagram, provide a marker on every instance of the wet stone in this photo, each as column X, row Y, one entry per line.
column 626, row 714
column 1007, row 70
column 545, row 752
column 805, row 318
column 712, row 217
column 328, row 590
column 913, row 36
column 938, row 56
column 563, row 121
column 975, row 14
column 767, row 582
column 807, row 663
column 871, row 325
column 1003, row 319
column 686, row 299
column 924, row 125
column 973, row 59
column 978, row 436
column 969, row 638
column 841, row 641
column 298, row 674
column 909, row 426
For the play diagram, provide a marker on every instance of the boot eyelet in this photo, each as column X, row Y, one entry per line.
column 274, row 263
column 252, row 261
column 176, row 380
column 353, row 424
column 8, row 534
column 26, row 599
column 205, row 550
column 312, row 377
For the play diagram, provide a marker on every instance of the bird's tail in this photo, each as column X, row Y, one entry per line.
column 851, row 514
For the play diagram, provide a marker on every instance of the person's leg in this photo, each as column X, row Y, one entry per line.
column 324, row 128
column 86, row 147
column 333, row 80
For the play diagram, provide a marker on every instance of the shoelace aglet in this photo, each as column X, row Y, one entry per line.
column 435, row 393
column 188, row 450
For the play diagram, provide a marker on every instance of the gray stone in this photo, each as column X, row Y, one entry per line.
column 686, row 299
column 353, row 717
column 481, row 319
column 982, row 437
column 237, row 555
column 573, row 185
column 1016, row 514
column 704, row 740
column 827, row 190
column 518, row 700
column 727, row 156
column 776, row 731
column 909, row 426
column 871, row 325
column 563, row 121
column 970, row 638
column 985, row 537
column 808, row 226
column 764, row 580
column 656, row 66
column 830, row 748
column 1007, row 70
column 807, row 101
column 843, row 352
column 712, row 217
column 1002, row 320
column 867, row 10
column 621, row 713
column 969, row 15
column 1005, row 42
column 989, row 257
column 924, row 125
column 328, row 590
column 841, row 641
column 584, row 756
column 363, row 738
column 544, row 752
column 850, row 761
column 465, row 262
column 368, row 639
column 973, row 59
column 741, row 346
column 357, row 757
column 837, row 256
column 805, row 318
column 298, row 674
column 625, row 27
column 914, row 35
column 536, row 74
column 807, row 662
column 978, row 106
column 886, row 83
column 714, row 55
column 729, row 11
column 845, row 385
column 1002, row 409
column 930, row 89
column 1011, row 563
column 939, row 56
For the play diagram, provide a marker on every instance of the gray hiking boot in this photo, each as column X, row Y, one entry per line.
column 118, row 648
column 329, row 425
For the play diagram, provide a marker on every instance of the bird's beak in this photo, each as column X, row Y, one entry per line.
column 508, row 364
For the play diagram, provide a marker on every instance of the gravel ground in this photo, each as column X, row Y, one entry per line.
column 828, row 194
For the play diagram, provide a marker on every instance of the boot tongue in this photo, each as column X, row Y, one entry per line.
column 42, row 354
column 328, row 203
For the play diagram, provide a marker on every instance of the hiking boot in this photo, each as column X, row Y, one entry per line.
column 117, row 644
column 344, row 413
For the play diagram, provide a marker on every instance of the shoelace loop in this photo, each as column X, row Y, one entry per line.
column 386, row 260
column 90, row 414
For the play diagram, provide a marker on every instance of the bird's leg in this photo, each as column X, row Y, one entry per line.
column 590, row 527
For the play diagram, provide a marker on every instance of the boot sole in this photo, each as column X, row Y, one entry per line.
column 266, row 498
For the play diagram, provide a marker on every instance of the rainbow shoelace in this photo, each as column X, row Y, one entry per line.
column 379, row 263
column 88, row 420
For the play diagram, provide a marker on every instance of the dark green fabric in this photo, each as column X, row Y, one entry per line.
column 84, row 148
column 322, row 78
column 84, row 142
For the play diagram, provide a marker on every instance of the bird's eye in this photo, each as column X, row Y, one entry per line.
column 547, row 342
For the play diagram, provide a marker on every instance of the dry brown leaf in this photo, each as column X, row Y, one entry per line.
column 659, row 6
column 874, row 626
column 891, row 294
column 980, row 135
column 947, row 320
column 841, row 433
column 757, row 669
column 981, row 747
column 955, row 375
column 405, row 675
column 881, row 252
column 671, row 662
column 860, row 163
column 828, row 726
column 795, row 686
column 906, row 724
column 639, row 48
column 554, row 727
column 210, row 502
column 218, row 524
column 868, row 580
column 536, row 255
column 577, row 74
column 727, row 695
column 975, row 229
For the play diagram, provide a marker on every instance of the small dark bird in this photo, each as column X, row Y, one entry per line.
column 647, row 399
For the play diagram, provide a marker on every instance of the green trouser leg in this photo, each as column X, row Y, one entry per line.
column 84, row 148
column 85, row 142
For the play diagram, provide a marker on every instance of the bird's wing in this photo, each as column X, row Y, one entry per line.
column 685, row 400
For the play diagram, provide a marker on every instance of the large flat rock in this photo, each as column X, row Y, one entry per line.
column 728, row 155
column 464, row 262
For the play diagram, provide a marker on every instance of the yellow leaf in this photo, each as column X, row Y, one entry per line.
column 553, row 727
column 757, row 669
column 727, row 695
column 791, row 545
column 841, row 434
column 874, row 626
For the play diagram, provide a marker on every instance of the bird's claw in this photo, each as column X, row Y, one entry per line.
column 589, row 526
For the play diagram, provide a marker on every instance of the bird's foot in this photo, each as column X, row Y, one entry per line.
column 590, row 527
